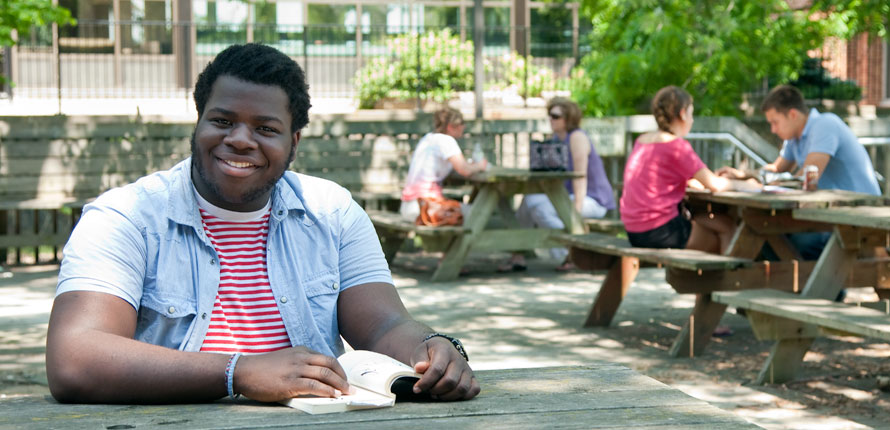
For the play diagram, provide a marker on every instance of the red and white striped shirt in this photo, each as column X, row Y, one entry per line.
column 245, row 316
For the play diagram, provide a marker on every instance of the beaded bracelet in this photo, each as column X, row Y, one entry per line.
column 230, row 374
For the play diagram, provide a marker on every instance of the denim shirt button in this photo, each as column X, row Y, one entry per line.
column 335, row 286
column 280, row 212
column 204, row 316
column 212, row 261
column 171, row 309
column 283, row 299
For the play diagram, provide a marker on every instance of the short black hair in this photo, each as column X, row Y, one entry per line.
column 784, row 98
column 258, row 64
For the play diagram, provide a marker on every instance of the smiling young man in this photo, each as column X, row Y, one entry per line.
column 230, row 275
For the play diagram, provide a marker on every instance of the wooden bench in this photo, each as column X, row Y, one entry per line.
column 598, row 251
column 604, row 225
column 393, row 230
column 779, row 315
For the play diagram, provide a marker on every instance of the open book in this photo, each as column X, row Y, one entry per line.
column 376, row 379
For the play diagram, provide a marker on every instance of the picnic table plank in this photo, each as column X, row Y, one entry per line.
column 862, row 321
column 610, row 395
column 395, row 221
column 877, row 217
column 680, row 258
column 788, row 200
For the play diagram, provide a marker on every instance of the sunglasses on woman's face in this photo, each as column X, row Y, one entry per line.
column 555, row 116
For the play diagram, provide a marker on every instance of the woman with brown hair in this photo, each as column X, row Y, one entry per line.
column 593, row 187
column 660, row 167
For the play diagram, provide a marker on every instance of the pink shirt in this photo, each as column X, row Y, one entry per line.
column 655, row 182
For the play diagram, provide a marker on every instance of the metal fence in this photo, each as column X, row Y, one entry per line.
column 100, row 59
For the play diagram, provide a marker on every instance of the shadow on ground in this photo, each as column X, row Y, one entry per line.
column 533, row 319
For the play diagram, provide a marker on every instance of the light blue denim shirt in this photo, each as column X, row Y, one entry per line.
column 145, row 243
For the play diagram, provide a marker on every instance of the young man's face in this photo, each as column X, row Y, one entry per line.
column 242, row 144
column 785, row 125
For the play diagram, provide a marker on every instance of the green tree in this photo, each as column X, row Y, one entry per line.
column 716, row 49
column 851, row 17
column 21, row 15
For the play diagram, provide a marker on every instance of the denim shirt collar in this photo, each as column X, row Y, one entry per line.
column 182, row 206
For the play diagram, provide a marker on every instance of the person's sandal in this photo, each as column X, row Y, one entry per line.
column 568, row 266
column 511, row 267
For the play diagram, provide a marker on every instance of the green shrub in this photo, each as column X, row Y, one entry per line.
column 515, row 68
column 445, row 66
column 815, row 83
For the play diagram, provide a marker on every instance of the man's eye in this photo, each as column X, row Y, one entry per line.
column 265, row 129
column 220, row 121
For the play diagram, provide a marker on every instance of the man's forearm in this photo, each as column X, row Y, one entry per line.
column 99, row 367
column 401, row 339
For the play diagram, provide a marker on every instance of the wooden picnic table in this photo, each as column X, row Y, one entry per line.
column 766, row 218
column 793, row 321
column 490, row 191
column 601, row 395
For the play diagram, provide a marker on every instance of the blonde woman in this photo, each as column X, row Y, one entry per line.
column 436, row 155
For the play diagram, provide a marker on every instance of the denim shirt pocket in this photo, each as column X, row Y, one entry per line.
column 322, row 291
column 168, row 306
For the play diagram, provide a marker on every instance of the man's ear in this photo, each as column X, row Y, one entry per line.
column 297, row 136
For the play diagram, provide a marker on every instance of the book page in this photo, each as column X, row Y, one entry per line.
column 362, row 399
column 374, row 371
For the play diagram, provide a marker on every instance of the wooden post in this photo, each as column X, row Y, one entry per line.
column 622, row 273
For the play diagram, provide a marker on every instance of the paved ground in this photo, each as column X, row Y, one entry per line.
column 533, row 319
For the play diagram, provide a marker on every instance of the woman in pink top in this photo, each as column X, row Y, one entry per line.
column 660, row 167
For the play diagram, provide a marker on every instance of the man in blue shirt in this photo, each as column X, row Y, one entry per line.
column 140, row 288
column 818, row 139
column 815, row 139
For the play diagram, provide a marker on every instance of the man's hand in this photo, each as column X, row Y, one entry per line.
column 288, row 373
column 731, row 173
column 445, row 373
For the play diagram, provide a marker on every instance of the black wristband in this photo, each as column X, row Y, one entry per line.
column 457, row 344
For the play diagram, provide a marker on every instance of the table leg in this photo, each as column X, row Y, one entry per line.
column 456, row 254
column 561, row 201
column 825, row 282
column 745, row 243
column 621, row 274
column 783, row 247
column 696, row 333
column 784, row 362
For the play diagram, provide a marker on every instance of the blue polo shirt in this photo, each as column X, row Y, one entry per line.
column 850, row 167
column 145, row 244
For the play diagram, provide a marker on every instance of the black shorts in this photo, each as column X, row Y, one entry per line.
column 673, row 234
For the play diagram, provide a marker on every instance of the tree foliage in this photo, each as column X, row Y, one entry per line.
column 716, row 49
column 21, row 15
column 851, row 17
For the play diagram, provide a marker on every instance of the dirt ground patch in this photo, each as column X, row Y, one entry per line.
column 533, row 319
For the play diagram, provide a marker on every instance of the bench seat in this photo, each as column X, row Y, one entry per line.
column 687, row 259
column 393, row 230
column 794, row 321
column 688, row 272
column 840, row 317
column 604, row 225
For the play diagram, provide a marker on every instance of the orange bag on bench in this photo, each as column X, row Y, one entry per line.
column 439, row 211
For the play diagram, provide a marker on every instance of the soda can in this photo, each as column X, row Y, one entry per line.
column 810, row 178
